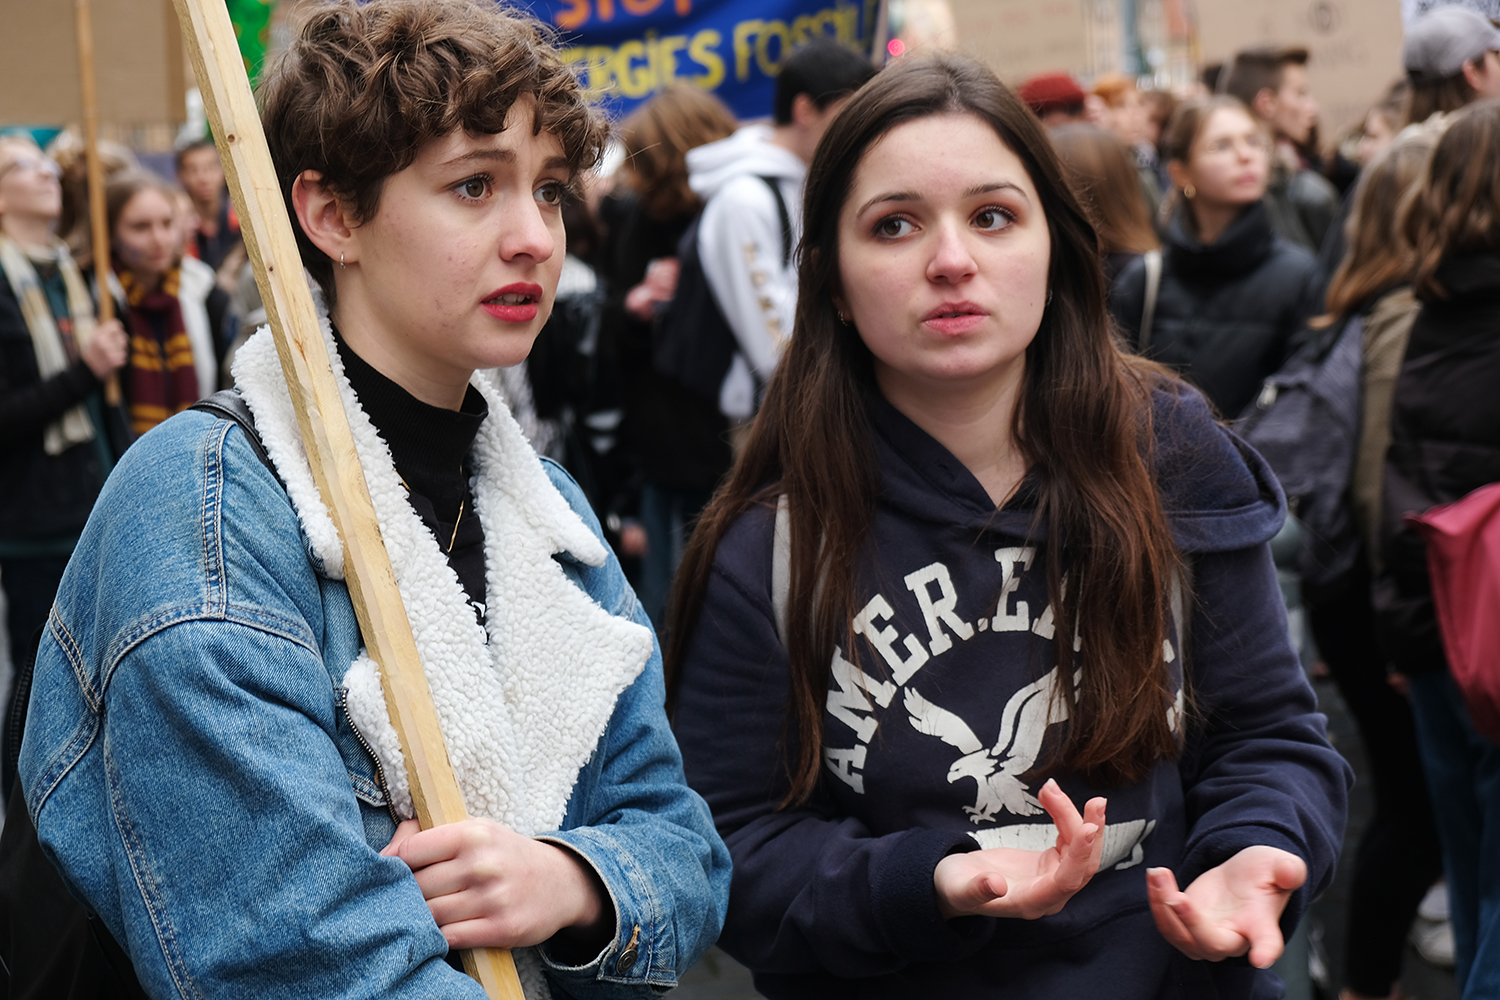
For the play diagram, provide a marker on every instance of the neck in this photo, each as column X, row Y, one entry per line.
column 433, row 382
column 975, row 421
column 27, row 230
column 208, row 213
column 148, row 280
column 793, row 140
column 1212, row 218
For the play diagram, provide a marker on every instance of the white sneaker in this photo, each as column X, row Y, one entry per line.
column 1434, row 942
column 1434, row 906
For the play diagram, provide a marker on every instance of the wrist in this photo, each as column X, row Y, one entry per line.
column 588, row 920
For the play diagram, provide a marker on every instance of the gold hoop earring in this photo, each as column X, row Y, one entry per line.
column 1189, row 192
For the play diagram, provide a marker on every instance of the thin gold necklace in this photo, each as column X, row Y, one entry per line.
column 457, row 520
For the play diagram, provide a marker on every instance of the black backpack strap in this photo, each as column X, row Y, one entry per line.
column 229, row 404
column 786, row 220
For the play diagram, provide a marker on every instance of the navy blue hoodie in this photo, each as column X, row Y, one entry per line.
column 935, row 719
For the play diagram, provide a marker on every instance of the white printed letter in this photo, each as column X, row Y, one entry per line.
column 884, row 640
column 941, row 609
column 850, row 696
column 1010, row 581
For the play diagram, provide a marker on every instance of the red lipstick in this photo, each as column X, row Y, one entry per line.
column 515, row 303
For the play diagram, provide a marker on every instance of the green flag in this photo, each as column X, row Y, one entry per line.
column 252, row 27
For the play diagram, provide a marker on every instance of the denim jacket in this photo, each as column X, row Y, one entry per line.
column 193, row 772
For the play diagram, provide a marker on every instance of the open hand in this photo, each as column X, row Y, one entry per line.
column 1005, row 882
column 1229, row 910
column 490, row 887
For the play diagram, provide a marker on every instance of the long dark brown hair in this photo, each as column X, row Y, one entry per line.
column 1457, row 209
column 1105, row 179
column 1378, row 257
column 1084, row 420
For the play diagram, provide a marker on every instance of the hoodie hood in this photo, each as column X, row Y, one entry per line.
column 1219, row 494
column 748, row 151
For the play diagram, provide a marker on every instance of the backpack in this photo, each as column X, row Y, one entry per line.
column 52, row 947
column 691, row 342
column 1306, row 424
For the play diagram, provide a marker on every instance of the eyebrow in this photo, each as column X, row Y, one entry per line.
column 500, row 156
column 977, row 189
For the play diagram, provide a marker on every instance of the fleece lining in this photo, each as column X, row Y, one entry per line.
column 524, row 699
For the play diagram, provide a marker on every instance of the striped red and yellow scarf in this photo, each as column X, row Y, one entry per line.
column 161, row 379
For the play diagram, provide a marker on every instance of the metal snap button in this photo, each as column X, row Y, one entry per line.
column 626, row 962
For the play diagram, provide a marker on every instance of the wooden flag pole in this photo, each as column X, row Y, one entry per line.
column 98, row 220
column 267, row 231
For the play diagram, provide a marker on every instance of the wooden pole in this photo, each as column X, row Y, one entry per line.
column 98, row 221
column 267, row 231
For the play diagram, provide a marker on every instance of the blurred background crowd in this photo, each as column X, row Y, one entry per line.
column 1247, row 222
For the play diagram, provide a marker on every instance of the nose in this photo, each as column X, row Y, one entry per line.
column 526, row 233
column 951, row 260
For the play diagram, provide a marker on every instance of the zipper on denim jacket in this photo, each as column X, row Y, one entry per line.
column 343, row 704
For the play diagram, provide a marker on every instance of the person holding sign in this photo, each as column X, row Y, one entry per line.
column 208, row 757
column 976, row 572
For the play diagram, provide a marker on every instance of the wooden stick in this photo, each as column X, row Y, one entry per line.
column 267, row 231
column 98, row 220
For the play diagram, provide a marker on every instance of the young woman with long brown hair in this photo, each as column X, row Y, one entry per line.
column 1398, row 856
column 1445, row 442
column 969, row 467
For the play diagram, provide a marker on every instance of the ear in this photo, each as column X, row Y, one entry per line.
column 324, row 217
column 805, row 111
column 1473, row 72
column 1264, row 104
column 1177, row 171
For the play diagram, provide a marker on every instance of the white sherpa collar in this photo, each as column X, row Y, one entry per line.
column 523, row 706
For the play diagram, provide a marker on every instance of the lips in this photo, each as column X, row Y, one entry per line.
column 517, row 303
column 951, row 318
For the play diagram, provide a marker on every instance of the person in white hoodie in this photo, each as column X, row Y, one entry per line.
column 743, row 243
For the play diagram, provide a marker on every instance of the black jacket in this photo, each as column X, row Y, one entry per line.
column 1445, row 443
column 42, row 497
column 679, row 439
column 1226, row 313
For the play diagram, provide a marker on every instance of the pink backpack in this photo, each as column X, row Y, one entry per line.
column 1463, row 560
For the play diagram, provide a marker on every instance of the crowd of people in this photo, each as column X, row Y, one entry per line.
column 737, row 496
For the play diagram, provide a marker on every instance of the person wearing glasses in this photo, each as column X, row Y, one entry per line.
column 1232, row 293
column 54, row 358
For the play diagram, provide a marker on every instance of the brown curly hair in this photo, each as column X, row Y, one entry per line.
column 364, row 85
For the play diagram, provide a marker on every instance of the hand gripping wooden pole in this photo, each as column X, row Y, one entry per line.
column 267, row 231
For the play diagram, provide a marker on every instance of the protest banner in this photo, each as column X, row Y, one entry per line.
column 627, row 50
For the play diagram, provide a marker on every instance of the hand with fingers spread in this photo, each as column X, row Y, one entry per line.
column 1005, row 882
column 1229, row 910
column 489, row 887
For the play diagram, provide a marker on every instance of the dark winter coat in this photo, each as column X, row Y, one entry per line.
column 1226, row 313
column 835, row 898
column 1445, row 443
column 43, row 498
column 679, row 440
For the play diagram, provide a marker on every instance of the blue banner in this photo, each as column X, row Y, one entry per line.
column 627, row 50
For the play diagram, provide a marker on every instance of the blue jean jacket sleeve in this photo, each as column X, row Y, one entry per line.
column 633, row 818
column 232, row 858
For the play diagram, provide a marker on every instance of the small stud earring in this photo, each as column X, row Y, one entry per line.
column 341, row 260
column 1190, row 192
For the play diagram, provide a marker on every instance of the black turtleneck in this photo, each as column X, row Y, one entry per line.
column 430, row 447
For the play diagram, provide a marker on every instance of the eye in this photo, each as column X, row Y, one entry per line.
column 893, row 227
column 550, row 193
column 992, row 219
column 474, row 188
